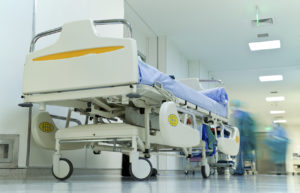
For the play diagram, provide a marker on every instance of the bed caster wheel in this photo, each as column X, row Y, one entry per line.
column 96, row 152
column 141, row 169
column 212, row 171
column 125, row 166
column 64, row 169
column 205, row 171
column 221, row 171
column 231, row 171
column 186, row 173
column 154, row 172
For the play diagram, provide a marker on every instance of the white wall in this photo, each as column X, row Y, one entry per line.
column 176, row 62
column 199, row 70
column 143, row 34
column 160, row 52
column 54, row 13
column 15, row 36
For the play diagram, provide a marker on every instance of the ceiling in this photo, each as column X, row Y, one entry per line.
column 206, row 29
column 245, row 86
column 216, row 33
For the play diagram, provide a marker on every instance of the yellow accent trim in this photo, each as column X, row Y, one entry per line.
column 77, row 53
column 173, row 120
column 237, row 139
column 46, row 127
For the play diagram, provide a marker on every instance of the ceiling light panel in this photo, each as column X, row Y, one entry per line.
column 276, row 112
column 273, row 99
column 279, row 121
column 270, row 78
column 266, row 45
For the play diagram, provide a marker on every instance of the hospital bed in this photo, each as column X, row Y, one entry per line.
column 129, row 106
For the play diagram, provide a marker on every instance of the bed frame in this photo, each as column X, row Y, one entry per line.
column 97, row 77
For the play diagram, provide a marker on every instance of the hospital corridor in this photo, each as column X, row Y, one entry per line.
column 139, row 96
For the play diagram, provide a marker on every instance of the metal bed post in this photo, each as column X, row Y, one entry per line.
column 147, row 129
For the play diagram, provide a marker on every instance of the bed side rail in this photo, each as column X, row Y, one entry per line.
column 212, row 81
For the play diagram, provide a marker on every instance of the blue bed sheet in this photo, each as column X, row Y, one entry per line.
column 149, row 75
column 218, row 94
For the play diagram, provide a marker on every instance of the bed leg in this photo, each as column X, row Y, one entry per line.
column 205, row 168
column 68, row 118
column 62, row 168
column 134, row 154
column 203, row 150
column 188, row 166
column 56, row 156
column 139, row 168
column 86, row 120
column 147, row 129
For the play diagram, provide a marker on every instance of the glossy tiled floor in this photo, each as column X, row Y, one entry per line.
column 173, row 183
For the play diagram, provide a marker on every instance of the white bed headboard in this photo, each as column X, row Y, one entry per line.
column 80, row 59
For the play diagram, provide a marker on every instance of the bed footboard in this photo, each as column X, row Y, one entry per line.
column 80, row 59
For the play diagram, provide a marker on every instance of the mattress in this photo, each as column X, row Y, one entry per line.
column 149, row 75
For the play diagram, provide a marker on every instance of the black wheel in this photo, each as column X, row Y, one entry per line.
column 221, row 171
column 141, row 170
column 154, row 172
column 65, row 169
column 205, row 171
column 96, row 152
column 125, row 166
column 231, row 171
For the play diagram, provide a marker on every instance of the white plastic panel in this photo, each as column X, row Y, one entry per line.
column 112, row 68
column 173, row 132
column 231, row 145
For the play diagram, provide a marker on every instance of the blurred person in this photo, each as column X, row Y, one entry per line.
column 277, row 142
column 247, row 127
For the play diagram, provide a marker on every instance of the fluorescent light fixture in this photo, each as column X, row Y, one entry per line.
column 266, row 45
column 270, row 78
column 277, row 112
column 279, row 121
column 272, row 99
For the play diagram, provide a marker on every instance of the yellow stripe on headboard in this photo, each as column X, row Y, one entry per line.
column 77, row 53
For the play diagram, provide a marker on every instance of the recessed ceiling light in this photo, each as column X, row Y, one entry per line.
column 279, row 121
column 266, row 45
column 272, row 99
column 277, row 112
column 270, row 78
